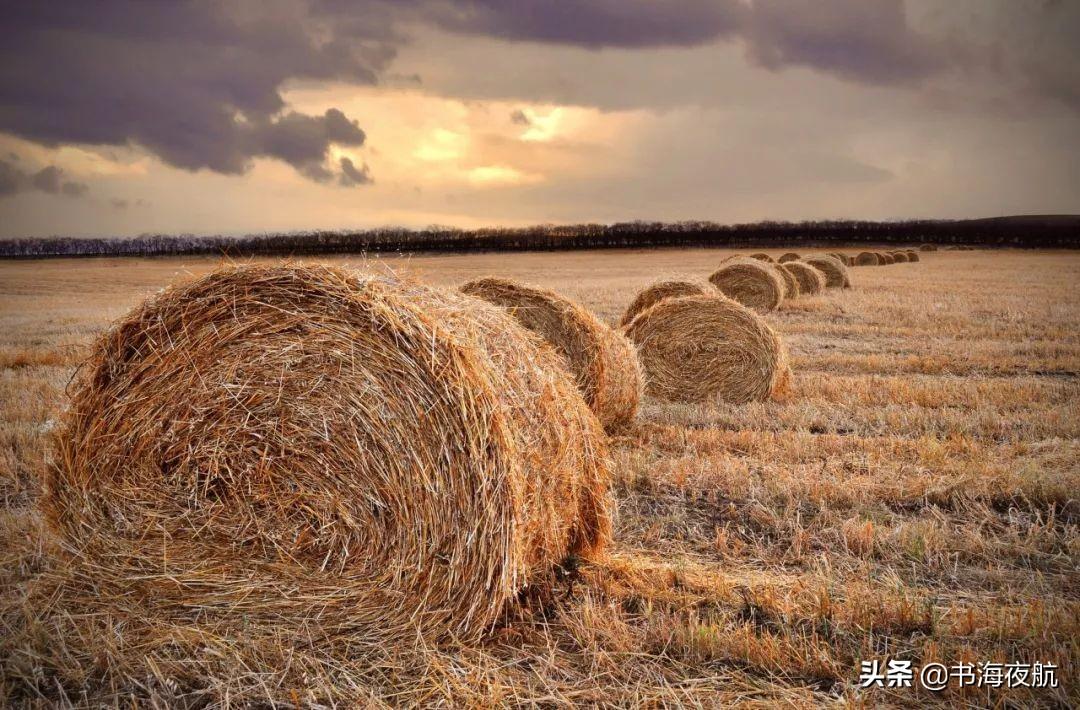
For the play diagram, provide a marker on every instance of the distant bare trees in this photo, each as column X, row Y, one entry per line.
column 1049, row 231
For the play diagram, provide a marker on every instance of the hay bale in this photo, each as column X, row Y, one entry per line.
column 927, row 247
column 899, row 257
column 602, row 361
column 762, row 256
column 912, row 255
column 791, row 284
column 811, row 280
column 305, row 450
column 839, row 257
column 752, row 284
column 867, row 258
column 790, row 256
column 656, row 293
column 885, row 259
column 708, row 347
column 836, row 274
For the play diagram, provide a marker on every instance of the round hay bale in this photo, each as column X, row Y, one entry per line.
column 899, row 257
column 811, row 280
column 656, row 293
column 836, row 274
column 927, row 247
column 838, row 256
column 312, row 451
column 698, row 348
column 602, row 361
column 755, row 285
column 912, row 255
column 790, row 256
column 867, row 258
column 885, row 259
column 791, row 284
column 762, row 256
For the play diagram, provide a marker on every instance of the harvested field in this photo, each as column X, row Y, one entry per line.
column 912, row 496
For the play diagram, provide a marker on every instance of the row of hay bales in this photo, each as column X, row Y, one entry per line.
column 304, row 446
column 884, row 258
column 304, row 449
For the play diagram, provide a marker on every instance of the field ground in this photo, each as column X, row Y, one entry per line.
column 914, row 496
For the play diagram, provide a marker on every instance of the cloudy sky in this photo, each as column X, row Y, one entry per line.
column 119, row 118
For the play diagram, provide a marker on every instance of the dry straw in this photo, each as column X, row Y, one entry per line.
column 842, row 258
column 885, row 259
column 602, row 361
column 912, row 255
column 836, row 274
column 656, row 293
column 708, row 347
column 791, row 284
column 790, row 256
column 927, row 247
column 899, row 257
column 867, row 258
column 315, row 454
column 762, row 256
column 811, row 280
column 752, row 284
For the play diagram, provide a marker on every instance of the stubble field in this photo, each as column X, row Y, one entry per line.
column 914, row 496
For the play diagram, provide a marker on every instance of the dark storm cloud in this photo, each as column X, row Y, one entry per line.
column 869, row 42
column 49, row 180
column 197, row 84
column 593, row 23
column 351, row 176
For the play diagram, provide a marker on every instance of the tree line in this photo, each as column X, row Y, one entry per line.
column 1024, row 232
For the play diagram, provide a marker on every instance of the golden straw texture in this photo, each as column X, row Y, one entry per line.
column 811, row 280
column 697, row 348
column 320, row 453
column 656, row 293
column 602, row 361
column 790, row 256
column 836, row 274
column 867, row 258
column 758, row 286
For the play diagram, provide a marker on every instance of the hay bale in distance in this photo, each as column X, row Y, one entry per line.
column 885, row 259
column 755, row 285
column 912, row 255
column 656, row 293
column 899, row 257
column 790, row 256
column 836, row 274
column 603, row 363
column 927, row 247
column 762, row 256
column 867, row 258
column 791, row 284
column 296, row 448
column 811, row 280
column 698, row 348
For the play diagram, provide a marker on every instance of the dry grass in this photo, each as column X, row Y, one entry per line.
column 914, row 496
column 603, row 362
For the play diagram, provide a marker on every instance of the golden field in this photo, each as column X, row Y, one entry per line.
column 916, row 495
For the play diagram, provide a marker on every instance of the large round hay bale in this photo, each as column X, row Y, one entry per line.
column 698, row 348
column 311, row 452
column 658, row 292
column 811, row 280
column 762, row 256
column 867, row 258
column 602, row 361
column 791, row 284
column 836, row 274
column 790, row 256
column 755, row 285
column 912, row 255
